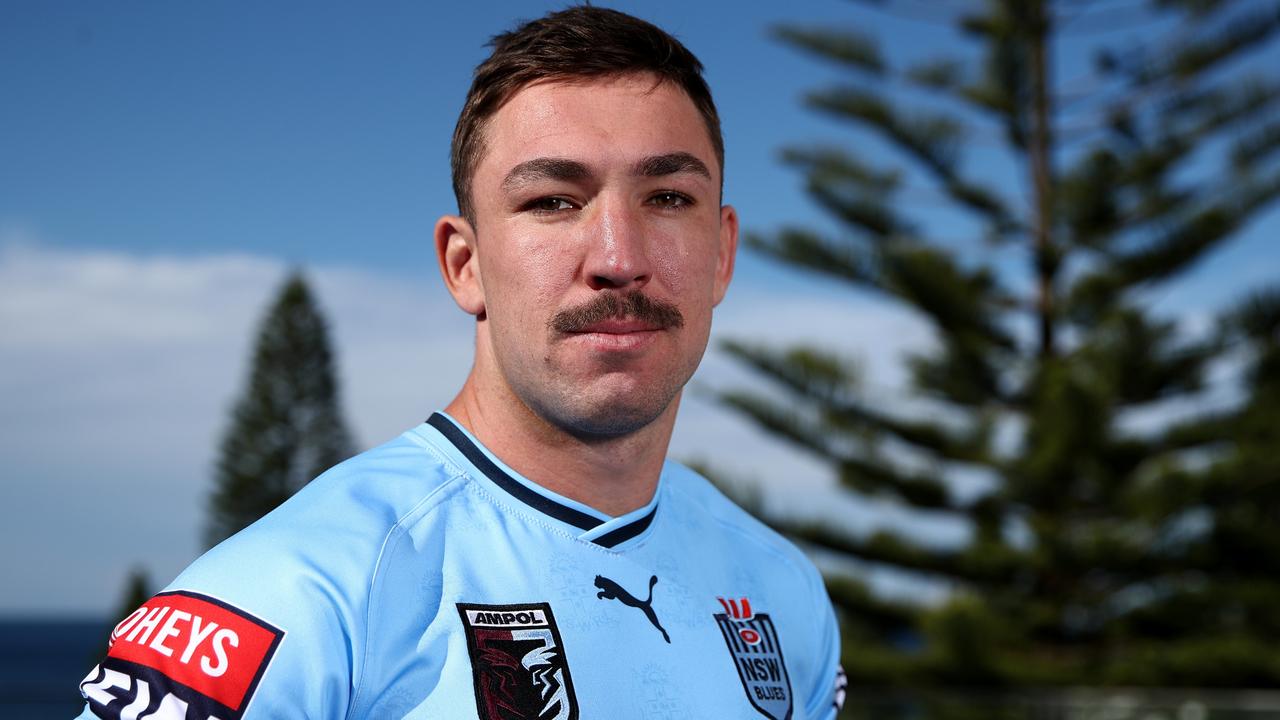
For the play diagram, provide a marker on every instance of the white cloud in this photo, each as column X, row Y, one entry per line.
column 119, row 371
column 116, row 374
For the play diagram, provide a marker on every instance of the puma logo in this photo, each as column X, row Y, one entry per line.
column 610, row 590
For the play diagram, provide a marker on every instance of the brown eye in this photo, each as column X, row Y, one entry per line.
column 669, row 199
column 549, row 205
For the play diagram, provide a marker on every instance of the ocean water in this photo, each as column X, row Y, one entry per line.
column 42, row 663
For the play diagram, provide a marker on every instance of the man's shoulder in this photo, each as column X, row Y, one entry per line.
column 699, row 502
column 368, row 493
column 290, row 591
column 333, row 530
column 388, row 483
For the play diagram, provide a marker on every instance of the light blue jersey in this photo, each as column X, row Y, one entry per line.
column 426, row 579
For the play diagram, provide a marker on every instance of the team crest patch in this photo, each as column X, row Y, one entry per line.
column 182, row 656
column 518, row 662
column 757, row 654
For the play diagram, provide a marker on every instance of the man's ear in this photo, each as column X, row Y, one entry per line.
column 727, row 251
column 459, row 263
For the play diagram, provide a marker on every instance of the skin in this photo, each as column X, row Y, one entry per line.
column 606, row 186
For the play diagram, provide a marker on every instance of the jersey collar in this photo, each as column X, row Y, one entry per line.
column 591, row 524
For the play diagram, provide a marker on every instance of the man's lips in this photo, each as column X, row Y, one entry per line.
column 615, row 335
column 615, row 326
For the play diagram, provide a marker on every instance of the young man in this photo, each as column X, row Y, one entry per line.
column 528, row 553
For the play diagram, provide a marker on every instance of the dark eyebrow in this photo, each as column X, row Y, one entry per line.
column 670, row 164
column 544, row 169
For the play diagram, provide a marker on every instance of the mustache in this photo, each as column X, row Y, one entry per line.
column 634, row 305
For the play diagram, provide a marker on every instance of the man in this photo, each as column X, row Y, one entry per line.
column 528, row 553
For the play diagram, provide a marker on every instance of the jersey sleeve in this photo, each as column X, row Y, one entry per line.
column 269, row 624
column 272, row 623
column 825, row 697
column 227, row 642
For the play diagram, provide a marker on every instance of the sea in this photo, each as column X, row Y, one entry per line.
column 42, row 662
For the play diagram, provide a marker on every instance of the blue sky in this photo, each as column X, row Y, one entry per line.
column 162, row 165
column 301, row 130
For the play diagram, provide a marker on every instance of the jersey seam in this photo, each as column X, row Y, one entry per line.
column 393, row 534
column 480, row 489
column 818, row 591
column 399, row 530
column 809, row 575
column 756, row 540
column 523, row 512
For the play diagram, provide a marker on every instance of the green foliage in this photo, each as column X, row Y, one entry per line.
column 287, row 427
column 964, row 642
column 1106, row 551
column 858, row 51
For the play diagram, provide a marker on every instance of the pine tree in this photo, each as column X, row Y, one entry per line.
column 1103, row 552
column 137, row 590
column 1226, row 625
column 287, row 427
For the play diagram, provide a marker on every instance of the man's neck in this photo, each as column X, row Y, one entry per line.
column 614, row 475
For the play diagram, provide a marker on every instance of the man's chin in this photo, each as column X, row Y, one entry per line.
column 606, row 419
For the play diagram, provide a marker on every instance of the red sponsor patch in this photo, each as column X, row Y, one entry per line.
column 199, row 642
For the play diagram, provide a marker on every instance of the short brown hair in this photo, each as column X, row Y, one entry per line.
column 579, row 42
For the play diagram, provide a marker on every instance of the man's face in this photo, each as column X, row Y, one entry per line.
column 600, row 249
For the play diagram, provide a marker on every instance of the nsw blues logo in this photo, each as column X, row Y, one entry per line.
column 518, row 663
column 757, row 654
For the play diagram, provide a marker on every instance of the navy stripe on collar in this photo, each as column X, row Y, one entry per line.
column 506, row 482
column 622, row 534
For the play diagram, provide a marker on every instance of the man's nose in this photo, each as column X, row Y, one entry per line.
column 617, row 253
